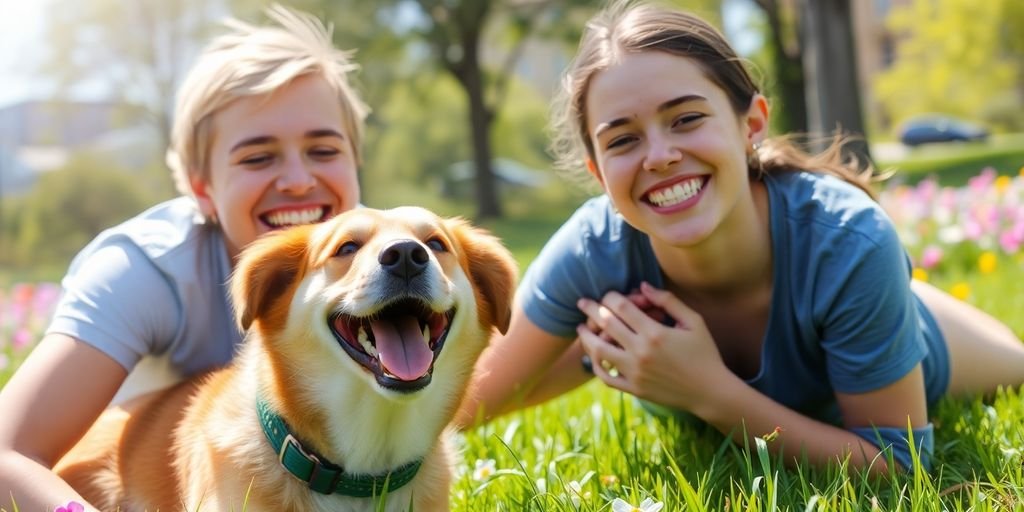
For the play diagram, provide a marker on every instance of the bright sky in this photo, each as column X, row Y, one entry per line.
column 21, row 26
column 22, row 44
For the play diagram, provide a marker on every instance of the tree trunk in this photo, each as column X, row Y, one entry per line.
column 471, row 76
column 833, row 88
column 788, row 66
column 487, row 200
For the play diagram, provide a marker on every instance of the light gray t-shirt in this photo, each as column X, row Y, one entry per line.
column 152, row 294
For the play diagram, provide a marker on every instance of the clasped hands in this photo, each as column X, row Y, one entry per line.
column 633, row 349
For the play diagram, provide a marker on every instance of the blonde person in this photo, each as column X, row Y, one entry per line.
column 266, row 134
column 725, row 274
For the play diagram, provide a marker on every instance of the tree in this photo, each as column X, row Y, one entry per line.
column 134, row 51
column 455, row 30
column 786, row 39
column 69, row 206
column 830, row 63
column 955, row 56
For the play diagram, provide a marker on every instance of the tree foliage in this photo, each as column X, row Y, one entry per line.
column 135, row 51
column 960, row 57
column 69, row 206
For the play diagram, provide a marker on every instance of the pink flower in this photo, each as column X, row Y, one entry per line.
column 1011, row 239
column 21, row 338
column 72, row 506
column 45, row 299
column 982, row 181
column 931, row 256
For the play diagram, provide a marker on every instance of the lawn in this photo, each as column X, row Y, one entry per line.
column 587, row 449
column 953, row 164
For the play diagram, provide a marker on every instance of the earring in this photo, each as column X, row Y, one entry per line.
column 754, row 165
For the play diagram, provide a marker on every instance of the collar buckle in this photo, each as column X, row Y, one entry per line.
column 290, row 440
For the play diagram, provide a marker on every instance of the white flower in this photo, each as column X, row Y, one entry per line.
column 576, row 493
column 484, row 469
column 648, row 505
column 542, row 485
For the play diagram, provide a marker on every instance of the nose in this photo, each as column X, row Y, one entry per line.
column 296, row 177
column 661, row 153
column 405, row 259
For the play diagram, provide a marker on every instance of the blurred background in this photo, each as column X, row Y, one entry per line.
column 460, row 92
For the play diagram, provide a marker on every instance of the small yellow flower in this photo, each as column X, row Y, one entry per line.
column 920, row 274
column 960, row 290
column 987, row 262
column 609, row 480
column 1002, row 183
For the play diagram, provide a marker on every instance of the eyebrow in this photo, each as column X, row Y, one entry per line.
column 266, row 139
column 661, row 108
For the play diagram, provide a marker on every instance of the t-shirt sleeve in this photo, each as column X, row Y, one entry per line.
column 115, row 300
column 869, row 326
column 901, row 445
column 555, row 280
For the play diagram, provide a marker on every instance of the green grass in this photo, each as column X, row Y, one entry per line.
column 953, row 164
column 602, row 440
column 600, row 432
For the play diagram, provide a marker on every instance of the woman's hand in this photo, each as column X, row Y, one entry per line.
column 634, row 351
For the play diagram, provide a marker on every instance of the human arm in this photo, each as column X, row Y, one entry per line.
column 680, row 367
column 525, row 366
column 47, row 406
column 115, row 309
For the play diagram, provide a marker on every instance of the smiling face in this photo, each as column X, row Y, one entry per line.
column 278, row 160
column 389, row 295
column 670, row 151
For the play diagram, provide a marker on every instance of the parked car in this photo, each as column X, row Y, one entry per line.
column 940, row 128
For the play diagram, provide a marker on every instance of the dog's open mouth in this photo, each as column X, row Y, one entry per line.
column 398, row 344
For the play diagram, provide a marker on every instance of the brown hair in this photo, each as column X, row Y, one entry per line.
column 634, row 26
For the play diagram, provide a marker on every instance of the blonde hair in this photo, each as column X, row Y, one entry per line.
column 254, row 60
column 628, row 26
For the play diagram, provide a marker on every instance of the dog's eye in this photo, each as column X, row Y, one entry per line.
column 436, row 244
column 348, row 248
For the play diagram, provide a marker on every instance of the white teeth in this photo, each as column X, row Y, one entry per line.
column 364, row 340
column 676, row 194
column 426, row 332
column 295, row 217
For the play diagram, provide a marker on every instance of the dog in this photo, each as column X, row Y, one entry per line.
column 361, row 337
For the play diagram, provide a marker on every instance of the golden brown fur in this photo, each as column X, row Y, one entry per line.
column 199, row 445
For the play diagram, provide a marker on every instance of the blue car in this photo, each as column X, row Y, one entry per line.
column 940, row 128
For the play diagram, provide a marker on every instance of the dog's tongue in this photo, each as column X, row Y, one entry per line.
column 401, row 347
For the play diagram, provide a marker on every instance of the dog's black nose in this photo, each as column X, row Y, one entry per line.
column 405, row 259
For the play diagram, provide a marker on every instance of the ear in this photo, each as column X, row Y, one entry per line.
column 492, row 269
column 201, row 191
column 756, row 120
column 266, row 269
column 594, row 171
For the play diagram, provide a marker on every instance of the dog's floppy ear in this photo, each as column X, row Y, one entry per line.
column 265, row 270
column 492, row 269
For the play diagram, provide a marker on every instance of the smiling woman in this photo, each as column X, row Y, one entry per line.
column 726, row 275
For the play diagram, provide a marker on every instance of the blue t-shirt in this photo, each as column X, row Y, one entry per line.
column 843, row 317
